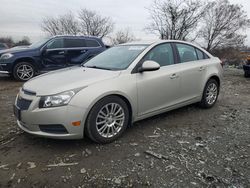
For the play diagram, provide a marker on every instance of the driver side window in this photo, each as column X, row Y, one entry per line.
column 56, row 43
column 162, row 54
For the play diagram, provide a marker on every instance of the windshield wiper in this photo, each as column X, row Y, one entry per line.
column 96, row 67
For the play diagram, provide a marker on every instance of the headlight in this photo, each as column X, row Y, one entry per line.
column 6, row 56
column 56, row 100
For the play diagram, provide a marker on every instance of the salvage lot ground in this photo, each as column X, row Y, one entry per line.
column 199, row 148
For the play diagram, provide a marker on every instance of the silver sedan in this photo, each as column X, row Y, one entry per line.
column 124, row 84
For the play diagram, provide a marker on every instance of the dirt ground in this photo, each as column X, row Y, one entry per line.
column 188, row 147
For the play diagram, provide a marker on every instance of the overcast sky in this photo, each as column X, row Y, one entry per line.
column 23, row 17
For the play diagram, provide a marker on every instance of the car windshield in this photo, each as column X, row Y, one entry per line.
column 38, row 43
column 116, row 58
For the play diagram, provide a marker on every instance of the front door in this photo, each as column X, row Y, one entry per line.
column 54, row 55
column 158, row 89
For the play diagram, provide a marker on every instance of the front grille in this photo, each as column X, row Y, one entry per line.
column 54, row 129
column 23, row 104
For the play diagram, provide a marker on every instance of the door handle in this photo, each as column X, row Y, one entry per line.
column 201, row 68
column 173, row 76
column 83, row 51
column 61, row 53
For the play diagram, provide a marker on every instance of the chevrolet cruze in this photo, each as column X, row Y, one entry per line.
column 122, row 85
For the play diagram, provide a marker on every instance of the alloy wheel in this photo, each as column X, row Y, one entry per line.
column 110, row 120
column 211, row 93
column 25, row 72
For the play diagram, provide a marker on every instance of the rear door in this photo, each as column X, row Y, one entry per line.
column 76, row 51
column 192, row 71
column 54, row 55
column 94, row 48
column 80, row 50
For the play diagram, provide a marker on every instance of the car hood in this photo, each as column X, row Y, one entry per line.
column 13, row 51
column 67, row 79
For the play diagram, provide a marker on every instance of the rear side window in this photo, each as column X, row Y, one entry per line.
column 74, row 43
column 162, row 54
column 186, row 53
column 201, row 55
column 56, row 43
column 206, row 56
column 91, row 43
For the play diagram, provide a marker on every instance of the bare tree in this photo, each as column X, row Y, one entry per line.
column 175, row 19
column 93, row 24
column 62, row 25
column 8, row 41
column 25, row 41
column 123, row 36
column 223, row 23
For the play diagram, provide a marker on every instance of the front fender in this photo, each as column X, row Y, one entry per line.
column 89, row 96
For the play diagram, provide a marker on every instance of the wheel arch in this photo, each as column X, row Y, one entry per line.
column 25, row 59
column 128, row 105
column 216, row 78
column 123, row 97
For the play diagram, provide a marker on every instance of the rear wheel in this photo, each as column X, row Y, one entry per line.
column 107, row 120
column 246, row 75
column 23, row 71
column 210, row 94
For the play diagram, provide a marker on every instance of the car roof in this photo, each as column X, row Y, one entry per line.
column 141, row 42
column 150, row 42
column 155, row 42
column 77, row 36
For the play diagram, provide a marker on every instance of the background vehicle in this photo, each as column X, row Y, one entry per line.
column 124, row 84
column 246, row 67
column 3, row 46
column 49, row 54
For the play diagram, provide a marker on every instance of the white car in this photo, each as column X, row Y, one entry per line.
column 122, row 85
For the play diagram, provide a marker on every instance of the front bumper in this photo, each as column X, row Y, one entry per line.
column 37, row 132
column 5, row 67
column 4, row 72
column 33, row 118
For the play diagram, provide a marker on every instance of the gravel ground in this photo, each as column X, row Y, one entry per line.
column 188, row 147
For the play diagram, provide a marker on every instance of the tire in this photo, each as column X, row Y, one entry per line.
column 23, row 71
column 104, row 125
column 210, row 94
column 246, row 75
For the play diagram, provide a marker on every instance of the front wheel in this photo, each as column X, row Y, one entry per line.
column 210, row 94
column 23, row 71
column 107, row 120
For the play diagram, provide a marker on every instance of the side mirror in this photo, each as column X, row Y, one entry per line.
column 44, row 49
column 149, row 66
